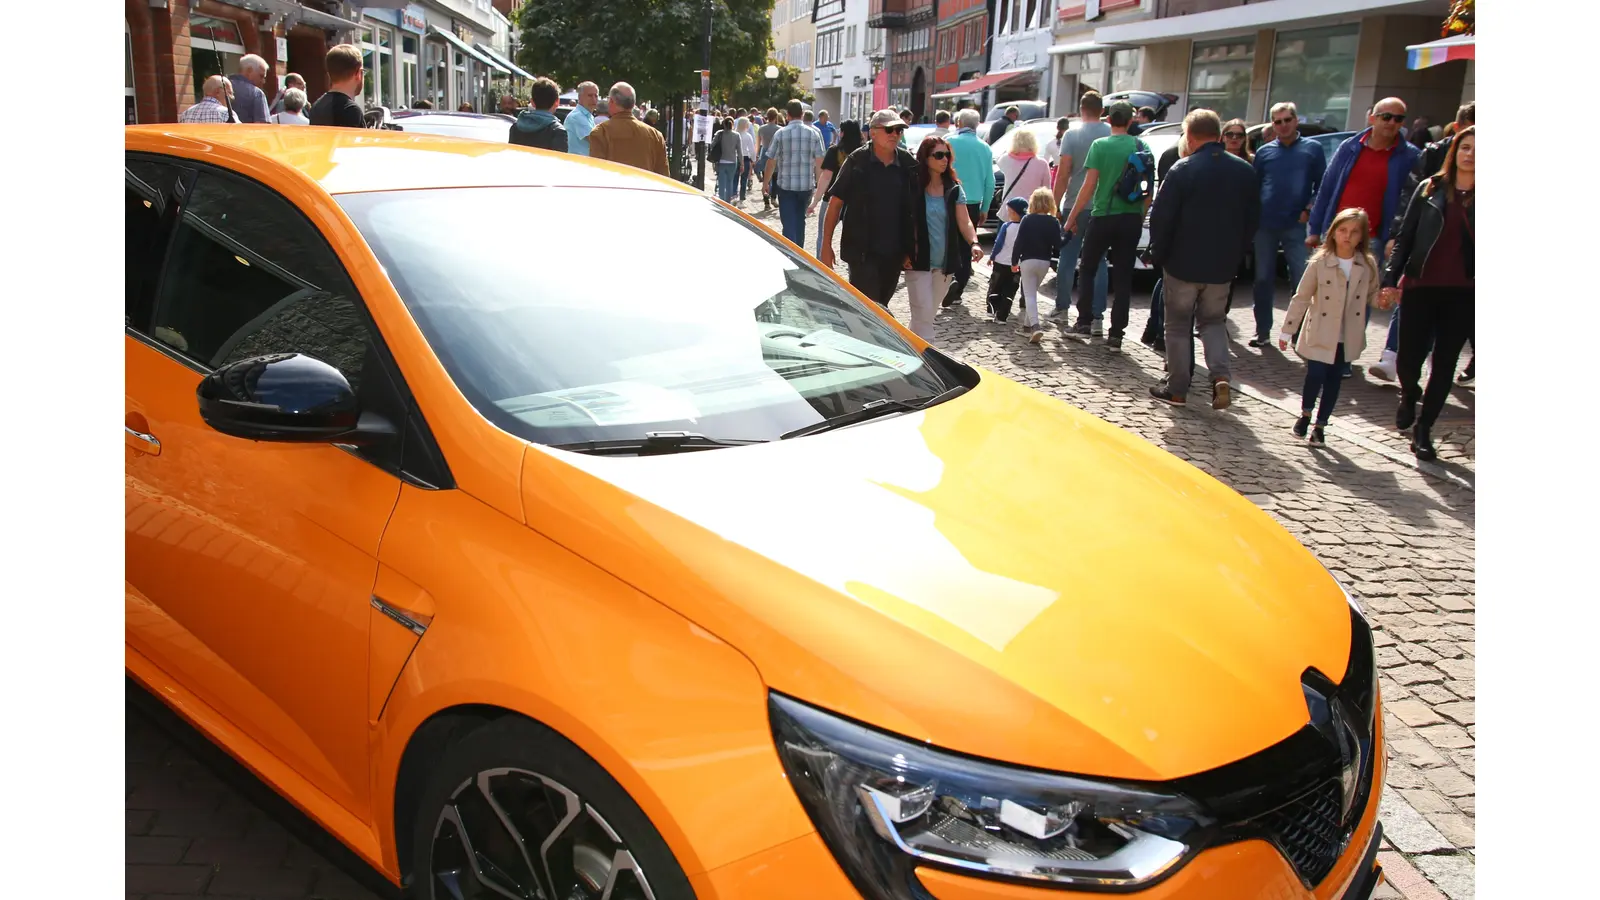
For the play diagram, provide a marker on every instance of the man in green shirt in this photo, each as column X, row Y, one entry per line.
column 1115, row 226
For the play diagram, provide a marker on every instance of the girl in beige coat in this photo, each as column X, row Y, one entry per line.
column 1330, row 312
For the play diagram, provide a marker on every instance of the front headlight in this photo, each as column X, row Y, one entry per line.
column 885, row 805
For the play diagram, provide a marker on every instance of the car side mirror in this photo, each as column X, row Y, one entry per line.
column 287, row 398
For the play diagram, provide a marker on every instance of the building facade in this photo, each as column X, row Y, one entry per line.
column 828, row 78
column 909, row 27
column 961, row 42
column 1020, row 49
column 432, row 49
column 1333, row 58
column 1078, row 63
column 794, row 37
column 862, row 45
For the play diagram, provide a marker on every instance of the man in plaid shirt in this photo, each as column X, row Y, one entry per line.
column 213, row 107
column 796, row 158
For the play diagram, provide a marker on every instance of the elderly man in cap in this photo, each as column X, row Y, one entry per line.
column 876, row 192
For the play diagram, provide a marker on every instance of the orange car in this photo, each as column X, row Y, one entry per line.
column 695, row 575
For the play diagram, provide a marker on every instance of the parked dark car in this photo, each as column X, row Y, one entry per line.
column 1158, row 102
column 1026, row 109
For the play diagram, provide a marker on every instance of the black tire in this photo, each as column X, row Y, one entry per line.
column 550, row 791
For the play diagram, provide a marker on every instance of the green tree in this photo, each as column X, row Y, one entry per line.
column 756, row 89
column 654, row 45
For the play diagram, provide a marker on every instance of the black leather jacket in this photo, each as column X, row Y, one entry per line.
column 1419, row 231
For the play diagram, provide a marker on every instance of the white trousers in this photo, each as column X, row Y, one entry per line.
column 925, row 290
column 1033, row 273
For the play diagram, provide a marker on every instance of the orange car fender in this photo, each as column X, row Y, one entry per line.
column 677, row 716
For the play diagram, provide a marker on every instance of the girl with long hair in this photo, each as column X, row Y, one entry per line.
column 849, row 142
column 1039, row 240
column 1235, row 140
column 747, row 154
column 726, row 149
column 1430, row 272
column 944, row 232
column 1329, row 310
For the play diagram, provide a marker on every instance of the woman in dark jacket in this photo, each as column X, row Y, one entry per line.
column 1430, row 273
column 945, row 238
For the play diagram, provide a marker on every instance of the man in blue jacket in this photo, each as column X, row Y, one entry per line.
column 1289, row 170
column 1369, row 172
column 974, row 164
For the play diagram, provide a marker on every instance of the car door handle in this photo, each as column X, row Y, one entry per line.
column 139, row 440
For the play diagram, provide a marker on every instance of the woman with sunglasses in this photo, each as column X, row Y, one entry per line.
column 944, row 234
column 1233, row 140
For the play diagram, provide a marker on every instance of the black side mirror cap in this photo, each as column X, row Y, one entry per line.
column 286, row 398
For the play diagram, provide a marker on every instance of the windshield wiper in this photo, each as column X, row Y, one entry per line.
column 654, row 443
column 874, row 409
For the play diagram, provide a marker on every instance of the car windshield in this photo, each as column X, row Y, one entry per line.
column 698, row 322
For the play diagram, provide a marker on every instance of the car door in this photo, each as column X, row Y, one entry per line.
column 250, row 565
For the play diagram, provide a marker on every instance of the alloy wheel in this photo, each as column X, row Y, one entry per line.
column 513, row 834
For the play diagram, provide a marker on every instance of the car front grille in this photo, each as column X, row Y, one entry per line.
column 1307, row 831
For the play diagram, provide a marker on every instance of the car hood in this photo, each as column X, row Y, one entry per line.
column 1001, row 574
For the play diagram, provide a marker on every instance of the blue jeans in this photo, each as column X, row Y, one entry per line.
column 727, row 181
column 1295, row 251
column 1323, row 380
column 746, row 167
column 1069, row 262
column 792, row 213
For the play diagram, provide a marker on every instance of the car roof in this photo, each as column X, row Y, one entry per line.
column 356, row 160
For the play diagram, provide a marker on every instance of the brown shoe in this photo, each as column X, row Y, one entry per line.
column 1221, row 394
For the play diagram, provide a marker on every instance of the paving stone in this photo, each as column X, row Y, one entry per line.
column 1447, row 737
column 154, row 850
column 1428, row 799
column 1461, row 711
column 1449, row 781
column 1406, row 828
column 1457, row 828
column 263, row 881
column 1452, row 874
column 1416, row 674
column 1414, row 713
column 141, row 879
column 1417, row 752
column 1433, row 693
column 139, row 821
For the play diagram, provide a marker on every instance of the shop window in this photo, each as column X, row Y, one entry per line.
column 1092, row 73
column 1219, row 77
column 1314, row 69
column 1125, row 69
column 214, row 49
column 247, row 276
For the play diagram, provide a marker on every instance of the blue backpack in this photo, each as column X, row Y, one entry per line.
column 1138, row 178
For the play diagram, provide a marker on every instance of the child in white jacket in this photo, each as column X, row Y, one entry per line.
column 1329, row 311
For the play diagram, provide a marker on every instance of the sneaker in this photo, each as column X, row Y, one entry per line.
column 1097, row 328
column 1221, row 394
column 1466, row 378
column 1114, row 344
column 1079, row 331
column 1301, row 425
column 1258, row 343
column 1161, row 393
column 1036, row 336
column 1024, row 329
column 1384, row 369
column 1318, row 439
column 1062, row 315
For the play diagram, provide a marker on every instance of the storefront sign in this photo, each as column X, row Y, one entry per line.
column 283, row 49
column 414, row 19
column 389, row 16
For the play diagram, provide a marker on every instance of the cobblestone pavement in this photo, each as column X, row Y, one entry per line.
column 1399, row 535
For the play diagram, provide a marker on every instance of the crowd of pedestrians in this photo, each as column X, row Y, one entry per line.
column 1385, row 225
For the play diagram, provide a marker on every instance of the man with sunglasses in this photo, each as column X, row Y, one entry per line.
column 1288, row 171
column 1369, row 172
column 875, row 192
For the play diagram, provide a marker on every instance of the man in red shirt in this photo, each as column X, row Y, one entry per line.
column 1369, row 172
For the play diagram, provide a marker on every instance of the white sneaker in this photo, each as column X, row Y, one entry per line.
column 1384, row 369
column 1097, row 328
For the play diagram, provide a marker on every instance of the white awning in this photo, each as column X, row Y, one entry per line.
column 1255, row 16
column 494, row 54
column 292, row 13
column 461, row 45
column 1083, row 47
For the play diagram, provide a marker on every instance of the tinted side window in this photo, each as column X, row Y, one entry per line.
column 249, row 275
column 151, row 190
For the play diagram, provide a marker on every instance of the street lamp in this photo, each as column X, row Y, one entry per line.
column 772, row 72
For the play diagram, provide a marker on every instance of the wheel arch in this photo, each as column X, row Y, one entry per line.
column 428, row 742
